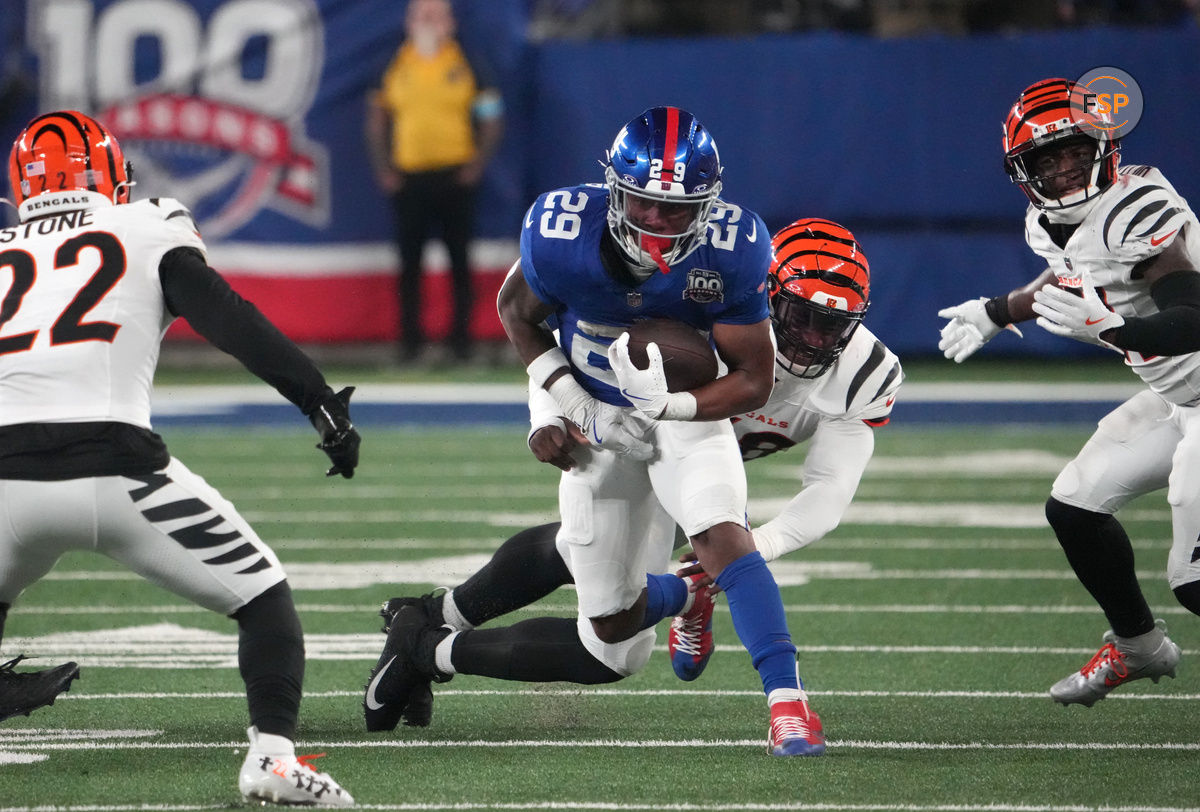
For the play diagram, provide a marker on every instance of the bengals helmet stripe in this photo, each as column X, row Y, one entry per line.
column 798, row 246
column 75, row 152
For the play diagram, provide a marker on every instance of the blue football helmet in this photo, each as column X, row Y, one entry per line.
column 664, row 160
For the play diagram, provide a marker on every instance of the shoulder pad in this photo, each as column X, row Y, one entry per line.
column 1145, row 213
column 863, row 382
column 178, row 226
column 172, row 209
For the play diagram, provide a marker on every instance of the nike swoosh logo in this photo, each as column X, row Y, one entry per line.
column 753, row 235
column 1090, row 322
column 1162, row 239
column 529, row 219
column 629, row 396
column 372, row 702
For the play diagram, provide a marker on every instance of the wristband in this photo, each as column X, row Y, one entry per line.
column 997, row 310
column 545, row 365
column 571, row 397
column 679, row 406
column 543, row 411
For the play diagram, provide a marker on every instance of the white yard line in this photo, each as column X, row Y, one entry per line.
column 554, row 608
column 679, row 693
column 611, row 806
column 404, row 744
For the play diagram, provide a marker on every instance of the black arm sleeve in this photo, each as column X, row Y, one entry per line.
column 199, row 294
column 1174, row 329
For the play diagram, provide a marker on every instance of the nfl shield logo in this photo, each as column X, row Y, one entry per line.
column 633, row 299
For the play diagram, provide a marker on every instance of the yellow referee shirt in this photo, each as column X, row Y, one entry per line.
column 430, row 101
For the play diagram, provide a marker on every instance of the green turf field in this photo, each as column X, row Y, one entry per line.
column 929, row 625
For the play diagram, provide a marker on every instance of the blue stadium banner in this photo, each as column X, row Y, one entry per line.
column 251, row 113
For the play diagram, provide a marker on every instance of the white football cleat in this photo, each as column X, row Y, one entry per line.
column 285, row 778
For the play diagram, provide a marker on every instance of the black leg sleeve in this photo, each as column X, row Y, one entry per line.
column 543, row 649
column 271, row 660
column 525, row 569
column 1099, row 551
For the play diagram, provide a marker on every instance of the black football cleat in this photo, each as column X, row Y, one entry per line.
column 400, row 682
column 23, row 692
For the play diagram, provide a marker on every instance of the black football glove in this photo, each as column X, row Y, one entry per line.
column 339, row 440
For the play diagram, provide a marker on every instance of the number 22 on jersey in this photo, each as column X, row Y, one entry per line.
column 69, row 327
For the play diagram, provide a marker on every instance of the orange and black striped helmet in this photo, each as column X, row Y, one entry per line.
column 1049, row 115
column 820, row 289
column 67, row 151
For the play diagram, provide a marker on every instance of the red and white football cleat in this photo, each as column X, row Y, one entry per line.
column 795, row 730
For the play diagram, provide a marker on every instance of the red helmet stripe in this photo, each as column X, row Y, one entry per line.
column 672, row 143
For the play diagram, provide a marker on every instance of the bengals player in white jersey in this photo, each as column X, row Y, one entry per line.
column 835, row 383
column 1122, row 251
column 91, row 282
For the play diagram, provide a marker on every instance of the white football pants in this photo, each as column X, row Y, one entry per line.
column 1141, row 446
column 170, row 527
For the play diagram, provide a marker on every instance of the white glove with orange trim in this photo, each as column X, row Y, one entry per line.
column 1083, row 318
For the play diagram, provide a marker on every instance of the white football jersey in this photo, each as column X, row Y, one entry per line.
column 84, row 312
column 1136, row 218
column 861, row 385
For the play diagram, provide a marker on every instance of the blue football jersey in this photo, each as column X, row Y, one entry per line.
column 722, row 281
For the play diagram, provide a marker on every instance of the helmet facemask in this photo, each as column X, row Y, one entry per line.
column 810, row 336
column 647, row 248
column 1039, row 184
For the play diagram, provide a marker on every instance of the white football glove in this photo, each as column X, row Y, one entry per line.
column 646, row 388
column 1080, row 317
column 602, row 423
column 969, row 328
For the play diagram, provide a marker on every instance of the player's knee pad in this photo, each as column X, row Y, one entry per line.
column 625, row 658
column 1188, row 596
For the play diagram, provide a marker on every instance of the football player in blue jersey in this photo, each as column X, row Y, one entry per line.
column 655, row 240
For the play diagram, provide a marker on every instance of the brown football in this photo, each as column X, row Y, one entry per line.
column 688, row 358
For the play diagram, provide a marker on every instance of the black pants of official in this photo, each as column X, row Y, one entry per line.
column 427, row 203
